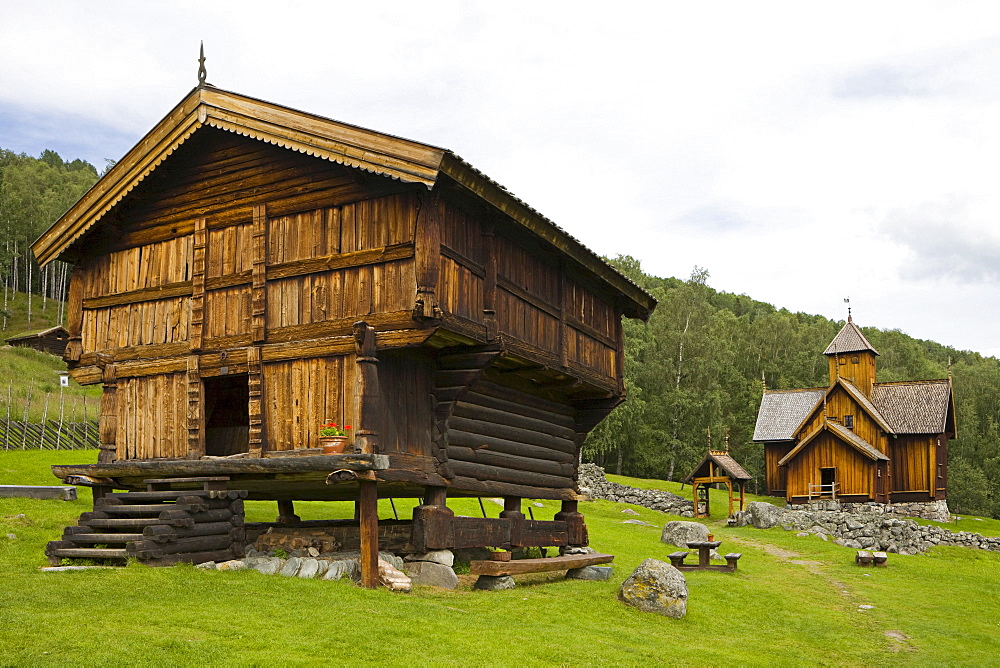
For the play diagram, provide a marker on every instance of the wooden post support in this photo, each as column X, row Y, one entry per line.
column 258, row 271
column 432, row 522
column 368, row 506
column 74, row 317
column 512, row 513
column 195, row 412
column 255, row 379
column 428, row 257
column 490, row 282
column 286, row 513
column 109, row 417
column 197, row 326
column 576, row 528
column 369, row 396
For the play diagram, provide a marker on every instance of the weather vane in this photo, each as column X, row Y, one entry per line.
column 202, row 72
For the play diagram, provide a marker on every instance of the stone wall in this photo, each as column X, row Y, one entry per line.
column 875, row 529
column 594, row 484
column 928, row 510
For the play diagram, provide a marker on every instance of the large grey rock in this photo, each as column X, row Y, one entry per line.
column 308, row 569
column 291, row 567
column 494, row 582
column 269, row 566
column 443, row 557
column 657, row 587
column 431, row 574
column 680, row 533
column 764, row 515
column 590, row 573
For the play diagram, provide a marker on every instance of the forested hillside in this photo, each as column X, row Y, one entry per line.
column 34, row 192
column 698, row 365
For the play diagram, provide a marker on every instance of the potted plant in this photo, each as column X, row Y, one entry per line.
column 333, row 438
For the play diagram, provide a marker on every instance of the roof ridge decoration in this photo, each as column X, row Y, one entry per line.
column 849, row 339
column 369, row 150
column 202, row 72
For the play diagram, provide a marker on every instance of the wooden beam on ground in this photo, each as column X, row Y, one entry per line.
column 521, row 566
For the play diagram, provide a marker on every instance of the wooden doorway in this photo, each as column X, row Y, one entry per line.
column 227, row 415
column 828, row 482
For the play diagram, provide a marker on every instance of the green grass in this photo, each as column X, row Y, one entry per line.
column 772, row 611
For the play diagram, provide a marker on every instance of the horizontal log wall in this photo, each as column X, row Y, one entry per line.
column 500, row 434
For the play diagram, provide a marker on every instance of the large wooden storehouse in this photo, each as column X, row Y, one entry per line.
column 249, row 272
column 857, row 440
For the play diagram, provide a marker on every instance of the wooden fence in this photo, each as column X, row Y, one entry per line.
column 49, row 435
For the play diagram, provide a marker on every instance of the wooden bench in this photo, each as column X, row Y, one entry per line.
column 521, row 566
column 864, row 558
column 62, row 492
column 677, row 559
column 880, row 558
column 732, row 558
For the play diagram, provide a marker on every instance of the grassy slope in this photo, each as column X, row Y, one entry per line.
column 779, row 608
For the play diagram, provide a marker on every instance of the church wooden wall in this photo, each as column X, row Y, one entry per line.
column 776, row 476
column 840, row 404
column 919, row 467
column 854, row 471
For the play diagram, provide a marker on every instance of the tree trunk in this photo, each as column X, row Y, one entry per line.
column 677, row 405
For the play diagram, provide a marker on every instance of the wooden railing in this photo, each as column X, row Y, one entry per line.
column 820, row 491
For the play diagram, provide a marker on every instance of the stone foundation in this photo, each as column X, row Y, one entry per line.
column 928, row 510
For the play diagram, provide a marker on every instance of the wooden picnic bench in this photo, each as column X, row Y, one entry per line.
column 867, row 558
column 677, row 561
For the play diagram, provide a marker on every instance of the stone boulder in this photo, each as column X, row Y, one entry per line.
column 680, row 533
column 657, row 587
column 764, row 515
column 433, row 574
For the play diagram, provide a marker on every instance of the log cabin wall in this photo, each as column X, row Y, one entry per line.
column 854, row 471
column 540, row 309
column 500, row 434
column 321, row 269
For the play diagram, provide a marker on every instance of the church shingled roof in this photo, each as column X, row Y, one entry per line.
column 849, row 340
column 782, row 412
column 918, row 407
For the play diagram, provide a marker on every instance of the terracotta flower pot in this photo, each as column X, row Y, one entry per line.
column 333, row 445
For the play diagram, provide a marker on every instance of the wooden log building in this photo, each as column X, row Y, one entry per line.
column 52, row 340
column 248, row 272
column 857, row 440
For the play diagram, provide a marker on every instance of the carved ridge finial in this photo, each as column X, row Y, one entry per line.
column 202, row 72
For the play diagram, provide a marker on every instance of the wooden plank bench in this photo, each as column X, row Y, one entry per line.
column 677, row 559
column 732, row 558
column 521, row 566
column 864, row 558
column 880, row 558
column 63, row 492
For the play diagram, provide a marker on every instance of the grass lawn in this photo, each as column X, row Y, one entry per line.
column 793, row 601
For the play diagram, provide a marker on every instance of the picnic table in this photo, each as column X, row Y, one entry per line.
column 704, row 548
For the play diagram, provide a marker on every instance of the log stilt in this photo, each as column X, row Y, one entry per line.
column 286, row 513
column 368, row 517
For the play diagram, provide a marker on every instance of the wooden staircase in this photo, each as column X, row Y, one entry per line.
column 159, row 527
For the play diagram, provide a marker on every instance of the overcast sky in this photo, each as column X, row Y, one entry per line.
column 802, row 152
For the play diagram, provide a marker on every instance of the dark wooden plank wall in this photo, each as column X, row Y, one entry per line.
column 406, row 385
column 503, row 435
column 911, row 463
column 302, row 395
column 536, row 302
column 777, row 476
column 152, row 417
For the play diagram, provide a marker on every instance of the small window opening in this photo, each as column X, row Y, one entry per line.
column 854, row 360
column 849, row 421
column 843, row 360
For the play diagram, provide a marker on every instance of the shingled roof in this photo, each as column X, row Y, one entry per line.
column 918, row 407
column 849, row 340
column 725, row 462
column 782, row 412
